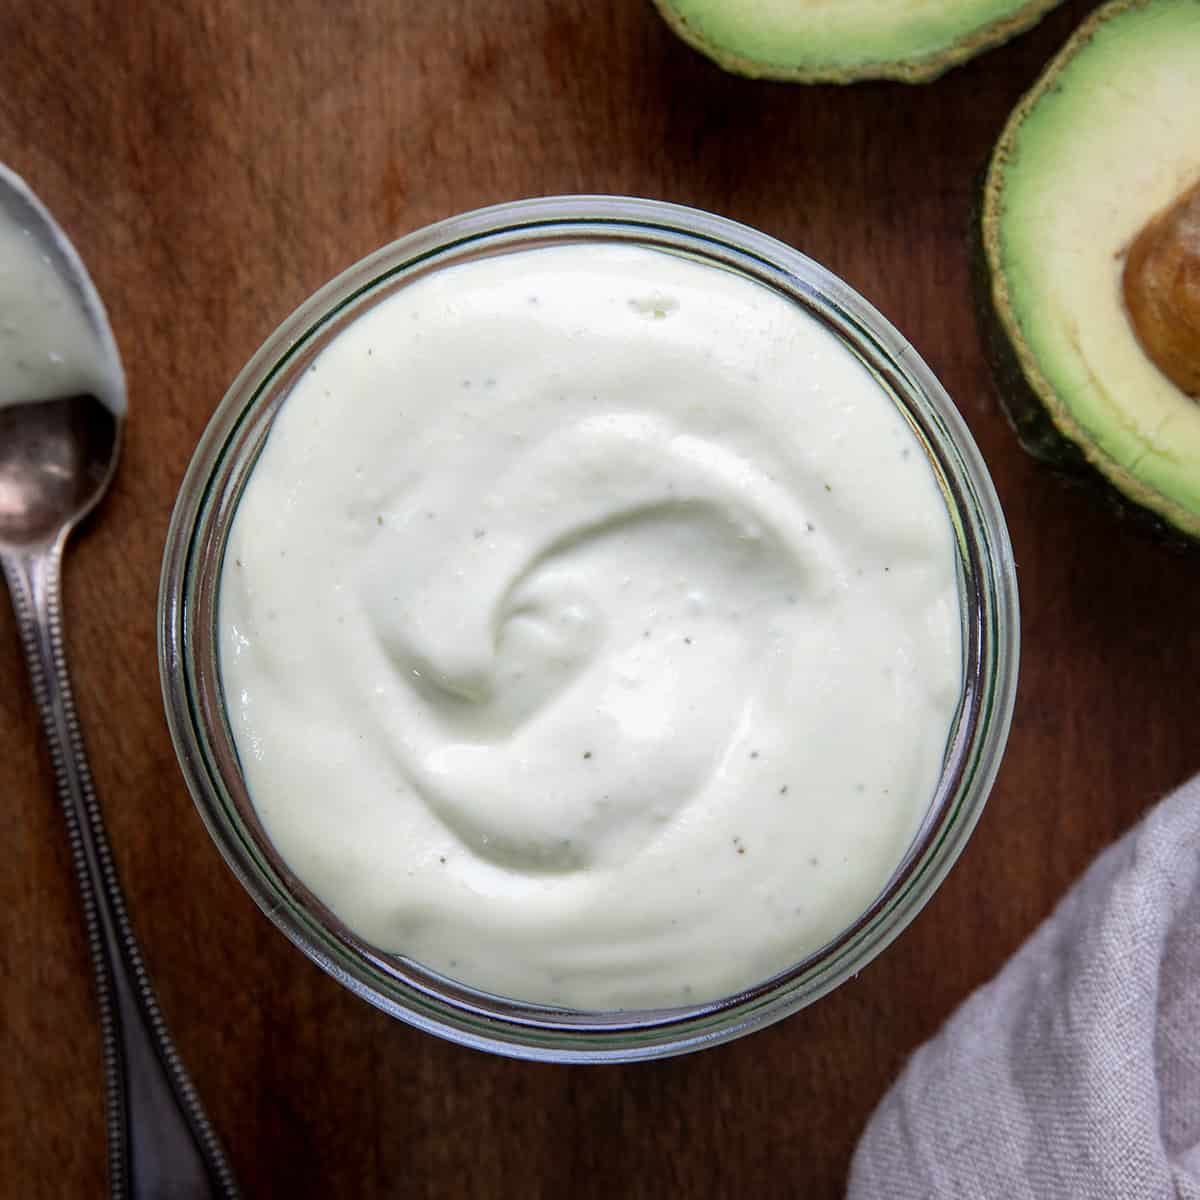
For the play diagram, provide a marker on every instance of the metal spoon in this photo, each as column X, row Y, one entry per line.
column 57, row 457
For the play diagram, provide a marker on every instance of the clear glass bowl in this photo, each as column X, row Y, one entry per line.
column 188, row 641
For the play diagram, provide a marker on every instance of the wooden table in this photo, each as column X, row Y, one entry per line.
column 215, row 162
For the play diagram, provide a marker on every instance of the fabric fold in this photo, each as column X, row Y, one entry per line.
column 1076, row 1071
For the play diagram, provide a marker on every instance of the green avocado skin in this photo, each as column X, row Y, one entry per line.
column 785, row 56
column 1035, row 430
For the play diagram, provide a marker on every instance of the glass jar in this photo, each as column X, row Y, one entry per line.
column 188, row 631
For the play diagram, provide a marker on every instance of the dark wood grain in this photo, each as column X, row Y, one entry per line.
column 215, row 162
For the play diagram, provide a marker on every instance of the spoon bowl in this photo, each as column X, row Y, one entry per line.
column 57, row 458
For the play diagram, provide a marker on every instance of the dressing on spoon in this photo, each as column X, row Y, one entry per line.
column 51, row 344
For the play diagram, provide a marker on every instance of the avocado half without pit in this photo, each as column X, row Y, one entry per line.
column 1090, row 228
column 839, row 41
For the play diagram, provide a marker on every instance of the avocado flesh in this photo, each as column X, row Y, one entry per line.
column 1109, row 137
column 843, row 40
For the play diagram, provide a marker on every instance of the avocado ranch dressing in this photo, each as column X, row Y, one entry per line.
column 590, row 629
column 48, row 348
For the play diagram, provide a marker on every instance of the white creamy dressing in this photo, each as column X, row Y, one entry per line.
column 49, row 347
column 590, row 629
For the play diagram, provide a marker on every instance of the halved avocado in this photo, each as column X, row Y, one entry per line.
column 1107, row 141
column 839, row 41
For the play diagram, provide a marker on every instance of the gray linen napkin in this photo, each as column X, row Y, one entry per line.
column 1076, row 1072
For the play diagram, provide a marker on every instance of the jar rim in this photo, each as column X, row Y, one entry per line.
column 190, row 681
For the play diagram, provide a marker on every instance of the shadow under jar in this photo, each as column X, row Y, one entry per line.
column 190, row 627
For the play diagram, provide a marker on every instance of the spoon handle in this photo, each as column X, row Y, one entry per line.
column 160, row 1142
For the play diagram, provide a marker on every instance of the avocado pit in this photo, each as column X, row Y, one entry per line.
column 1161, row 286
